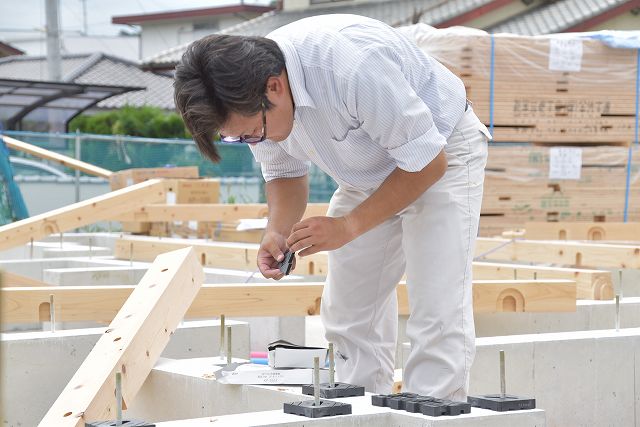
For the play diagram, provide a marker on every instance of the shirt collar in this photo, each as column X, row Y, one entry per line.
column 295, row 75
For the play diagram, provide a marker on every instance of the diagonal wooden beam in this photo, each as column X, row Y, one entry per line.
column 81, row 213
column 101, row 303
column 592, row 284
column 56, row 157
column 134, row 341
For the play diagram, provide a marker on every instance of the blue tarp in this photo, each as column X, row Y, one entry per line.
column 616, row 39
column 11, row 192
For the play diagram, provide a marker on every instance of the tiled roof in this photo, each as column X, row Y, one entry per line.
column 393, row 12
column 555, row 17
column 450, row 9
column 98, row 69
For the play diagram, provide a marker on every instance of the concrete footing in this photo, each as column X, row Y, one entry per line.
column 176, row 390
column 585, row 378
column 36, row 366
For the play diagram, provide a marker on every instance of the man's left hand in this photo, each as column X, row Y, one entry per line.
column 319, row 233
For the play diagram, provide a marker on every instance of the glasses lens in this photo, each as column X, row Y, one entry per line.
column 253, row 139
column 231, row 139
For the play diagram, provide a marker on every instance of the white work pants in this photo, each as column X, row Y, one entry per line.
column 433, row 241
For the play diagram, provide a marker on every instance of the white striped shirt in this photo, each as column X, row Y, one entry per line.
column 367, row 100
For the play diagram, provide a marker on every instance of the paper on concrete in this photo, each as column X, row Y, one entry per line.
column 260, row 374
column 283, row 354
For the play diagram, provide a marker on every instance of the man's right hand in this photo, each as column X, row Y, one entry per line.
column 271, row 252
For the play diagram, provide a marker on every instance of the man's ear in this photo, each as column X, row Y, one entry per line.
column 275, row 85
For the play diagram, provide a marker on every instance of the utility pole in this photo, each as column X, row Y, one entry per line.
column 54, row 62
column 85, row 29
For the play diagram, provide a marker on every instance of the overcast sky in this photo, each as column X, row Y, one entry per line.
column 28, row 15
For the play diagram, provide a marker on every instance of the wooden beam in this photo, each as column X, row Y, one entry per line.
column 12, row 280
column 209, row 212
column 577, row 254
column 626, row 231
column 81, row 213
column 101, row 303
column 134, row 341
column 592, row 284
column 56, row 157
column 239, row 256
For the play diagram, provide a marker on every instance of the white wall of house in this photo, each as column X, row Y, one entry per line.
column 159, row 36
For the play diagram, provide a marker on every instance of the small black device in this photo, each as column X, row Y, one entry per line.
column 287, row 263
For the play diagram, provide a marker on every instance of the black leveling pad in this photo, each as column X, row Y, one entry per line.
column 125, row 423
column 413, row 405
column 381, row 399
column 338, row 390
column 426, row 405
column 398, row 402
column 287, row 263
column 327, row 408
column 496, row 402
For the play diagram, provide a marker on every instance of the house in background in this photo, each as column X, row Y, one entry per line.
column 34, row 43
column 90, row 69
column 526, row 17
column 164, row 30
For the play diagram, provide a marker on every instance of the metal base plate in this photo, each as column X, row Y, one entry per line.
column 327, row 408
column 337, row 391
column 495, row 402
column 426, row 405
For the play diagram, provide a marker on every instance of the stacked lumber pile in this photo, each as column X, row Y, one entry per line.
column 518, row 190
column 189, row 190
column 547, row 89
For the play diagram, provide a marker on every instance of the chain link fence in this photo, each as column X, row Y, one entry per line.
column 117, row 152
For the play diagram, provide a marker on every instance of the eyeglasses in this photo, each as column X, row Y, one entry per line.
column 248, row 139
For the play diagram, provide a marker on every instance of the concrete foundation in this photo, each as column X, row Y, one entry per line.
column 587, row 378
column 179, row 389
column 364, row 416
column 629, row 286
column 36, row 366
column 589, row 315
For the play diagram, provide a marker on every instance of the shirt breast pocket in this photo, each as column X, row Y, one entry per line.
column 357, row 150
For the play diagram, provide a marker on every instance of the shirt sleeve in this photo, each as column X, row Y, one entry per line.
column 277, row 163
column 391, row 112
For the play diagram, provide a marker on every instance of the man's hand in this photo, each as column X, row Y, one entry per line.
column 271, row 252
column 319, row 233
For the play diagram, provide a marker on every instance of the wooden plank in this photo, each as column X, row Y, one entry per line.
column 56, row 157
column 101, row 303
column 523, row 296
column 134, row 341
column 126, row 177
column 239, row 256
column 209, row 212
column 626, row 231
column 81, row 213
column 592, row 284
column 577, row 254
column 13, row 279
